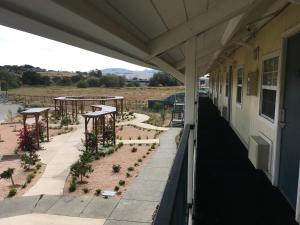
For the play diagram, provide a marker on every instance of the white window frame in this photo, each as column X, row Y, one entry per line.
column 227, row 84
column 239, row 104
column 269, row 87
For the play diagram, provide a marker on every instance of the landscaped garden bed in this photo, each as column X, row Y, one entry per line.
column 130, row 132
column 23, row 179
column 113, row 172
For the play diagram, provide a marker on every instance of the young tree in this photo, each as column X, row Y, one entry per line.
column 81, row 169
column 8, row 174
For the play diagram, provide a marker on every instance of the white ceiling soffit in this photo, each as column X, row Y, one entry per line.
column 197, row 7
column 223, row 10
column 172, row 12
column 207, row 43
column 142, row 14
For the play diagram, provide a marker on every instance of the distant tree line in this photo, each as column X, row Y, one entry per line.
column 10, row 79
column 109, row 80
column 29, row 75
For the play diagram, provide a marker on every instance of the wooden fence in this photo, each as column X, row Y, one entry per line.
column 32, row 100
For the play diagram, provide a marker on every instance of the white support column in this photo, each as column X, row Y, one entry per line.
column 190, row 112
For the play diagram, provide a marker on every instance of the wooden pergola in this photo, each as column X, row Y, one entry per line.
column 77, row 103
column 100, row 121
column 37, row 112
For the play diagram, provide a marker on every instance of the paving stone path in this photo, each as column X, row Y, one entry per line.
column 140, row 120
column 61, row 152
column 135, row 208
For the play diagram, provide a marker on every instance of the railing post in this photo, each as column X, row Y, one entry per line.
column 190, row 115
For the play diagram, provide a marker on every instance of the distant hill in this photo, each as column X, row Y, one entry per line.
column 129, row 74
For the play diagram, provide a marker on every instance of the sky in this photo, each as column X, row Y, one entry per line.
column 19, row 48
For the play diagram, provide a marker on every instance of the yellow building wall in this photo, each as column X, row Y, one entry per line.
column 245, row 119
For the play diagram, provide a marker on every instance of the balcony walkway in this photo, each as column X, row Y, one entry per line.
column 229, row 190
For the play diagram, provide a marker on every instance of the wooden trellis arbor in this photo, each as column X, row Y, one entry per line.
column 36, row 112
column 103, row 124
column 76, row 104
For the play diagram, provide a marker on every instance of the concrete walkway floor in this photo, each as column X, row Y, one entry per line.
column 42, row 219
column 59, row 154
column 135, row 208
column 140, row 120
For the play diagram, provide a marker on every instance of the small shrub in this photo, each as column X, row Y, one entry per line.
column 85, row 190
column 140, row 144
column 26, row 140
column 12, row 192
column 82, row 84
column 119, row 192
column 38, row 166
column 148, row 153
column 122, row 182
column 30, row 177
column 120, row 144
column 144, row 156
column 131, row 144
column 102, row 154
column 139, row 138
column 65, row 121
column 140, row 160
column 24, row 185
column 91, row 143
column 117, row 188
column 111, row 151
column 153, row 146
column 116, row 168
column 130, row 138
column 98, row 192
column 136, row 164
column 8, row 174
column 73, row 184
column 130, row 168
column 28, row 160
column 128, row 175
column 134, row 149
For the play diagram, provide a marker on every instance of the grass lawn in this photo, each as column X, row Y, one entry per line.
column 130, row 93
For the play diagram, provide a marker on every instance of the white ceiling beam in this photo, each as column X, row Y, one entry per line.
column 84, row 9
column 223, row 11
column 168, row 68
column 231, row 28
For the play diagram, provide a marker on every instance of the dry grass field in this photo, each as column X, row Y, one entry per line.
column 130, row 93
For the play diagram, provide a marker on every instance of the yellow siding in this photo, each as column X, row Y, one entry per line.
column 246, row 120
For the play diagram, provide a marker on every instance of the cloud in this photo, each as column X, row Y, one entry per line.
column 19, row 48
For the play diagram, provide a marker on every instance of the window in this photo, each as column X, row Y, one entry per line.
column 221, row 83
column 269, row 88
column 227, row 85
column 239, row 94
